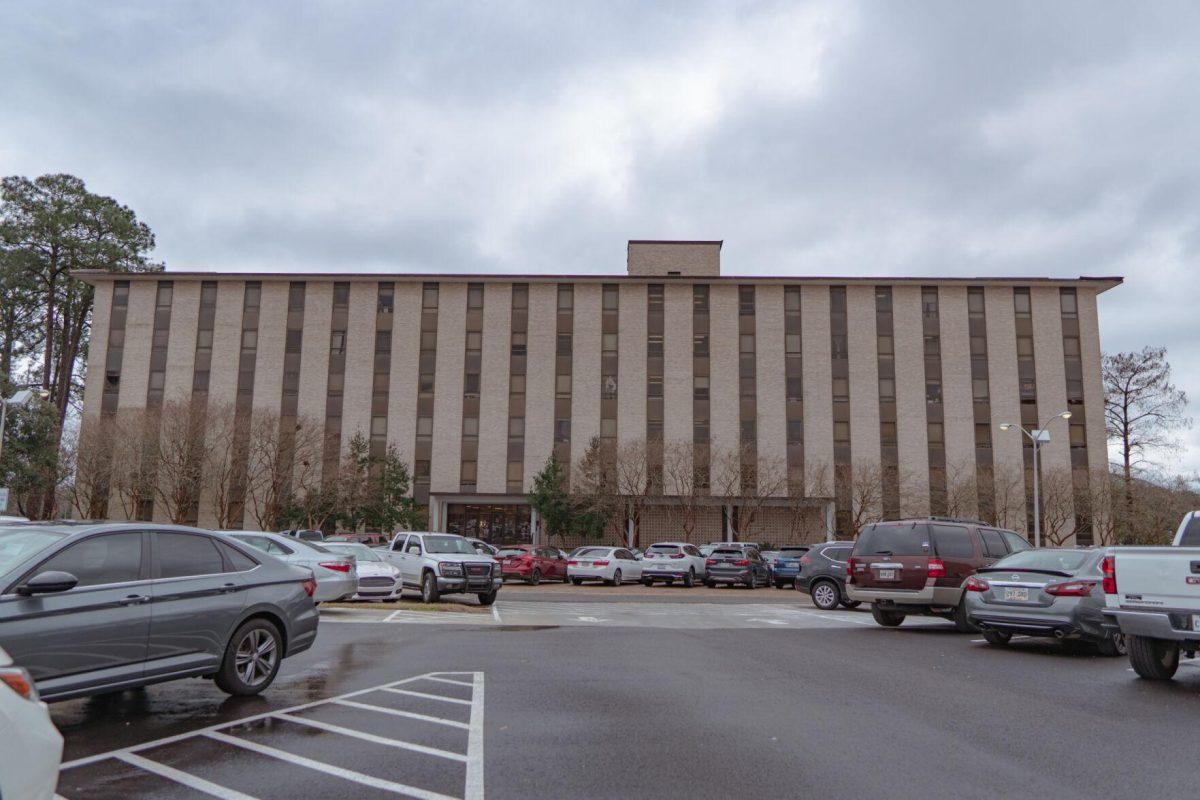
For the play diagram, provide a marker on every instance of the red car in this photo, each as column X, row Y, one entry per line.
column 532, row 563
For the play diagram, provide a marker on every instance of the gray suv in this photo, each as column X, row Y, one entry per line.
column 823, row 575
column 101, row 607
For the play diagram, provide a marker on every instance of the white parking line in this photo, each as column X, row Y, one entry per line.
column 474, row 784
column 468, row 684
column 396, row 712
column 184, row 778
column 427, row 696
column 371, row 737
column 329, row 769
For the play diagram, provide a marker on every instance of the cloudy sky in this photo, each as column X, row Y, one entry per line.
column 872, row 138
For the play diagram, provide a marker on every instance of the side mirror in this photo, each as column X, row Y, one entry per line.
column 47, row 583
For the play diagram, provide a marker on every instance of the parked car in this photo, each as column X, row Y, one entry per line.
column 305, row 535
column 612, row 565
column 444, row 563
column 32, row 748
column 785, row 564
column 822, row 575
column 732, row 565
column 7, row 518
column 377, row 579
column 336, row 575
column 1044, row 592
column 1152, row 595
column 532, row 563
column 98, row 608
column 918, row 567
column 673, row 561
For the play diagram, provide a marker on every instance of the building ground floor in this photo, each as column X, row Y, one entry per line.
column 509, row 519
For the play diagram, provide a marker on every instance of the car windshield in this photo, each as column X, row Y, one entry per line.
column 512, row 551
column 590, row 552
column 19, row 543
column 360, row 551
column 1057, row 560
column 448, row 545
column 896, row 540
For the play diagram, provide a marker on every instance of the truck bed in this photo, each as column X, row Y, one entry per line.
column 1157, row 578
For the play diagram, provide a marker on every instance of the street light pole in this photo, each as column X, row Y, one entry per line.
column 1035, row 437
column 20, row 398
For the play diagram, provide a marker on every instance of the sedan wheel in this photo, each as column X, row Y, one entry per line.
column 535, row 578
column 690, row 579
column 1112, row 645
column 616, row 579
column 825, row 596
column 251, row 659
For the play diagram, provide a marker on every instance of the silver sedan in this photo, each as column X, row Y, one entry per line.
column 1046, row 592
column 336, row 574
column 377, row 579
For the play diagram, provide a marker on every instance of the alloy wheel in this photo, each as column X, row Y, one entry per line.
column 256, row 657
column 824, row 596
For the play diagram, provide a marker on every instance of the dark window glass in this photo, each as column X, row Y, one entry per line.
column 112, row 558
column 951, row 541
column 240, row 562
column 1015, row 542
column 993, row 544
column 182, row 554
column 898, row 540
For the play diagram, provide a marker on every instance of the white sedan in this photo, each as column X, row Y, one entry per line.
column 613, row 565
column 32, row 748
column 377, row 579
column 672, row 561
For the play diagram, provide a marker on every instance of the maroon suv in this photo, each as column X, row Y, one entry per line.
column 919, row 566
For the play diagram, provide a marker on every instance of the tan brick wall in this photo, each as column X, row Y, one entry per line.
column 272, row 338
column 446, row 463
column 912, row 431
column 360, row 360
column 771, row 383
column 661, row 258
column 1007, row 455
column 818, row 397
column 631, row 363
column 585, row 370
column 181, row 345
column 402, row 386
column 539, row 381
column 958, row 406
column 723, row 367
column 775, row 527
column 662, row 524
column 493, row 399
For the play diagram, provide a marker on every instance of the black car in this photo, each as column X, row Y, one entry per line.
column 823, row 575
column 737, row 564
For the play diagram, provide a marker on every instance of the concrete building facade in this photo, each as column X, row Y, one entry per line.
column 773, row 408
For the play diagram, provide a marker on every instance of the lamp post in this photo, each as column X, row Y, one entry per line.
column 1038, row 436
column 20, row 398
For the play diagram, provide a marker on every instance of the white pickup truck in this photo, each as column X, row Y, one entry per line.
column 1153, row 594
column 443, row 563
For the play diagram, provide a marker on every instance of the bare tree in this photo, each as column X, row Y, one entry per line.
column 962, row 495
column 1143, row 411
column 685, row 473
column 1009, row 490
column 866, row 495
column 273, row 455
column 224, row 471
column 806, row 518
column 1057, row 495
column 749, row 482
column 1094, row 508
column 93, row 463
column 633, row 483
column 182, row 453
column 134, row 449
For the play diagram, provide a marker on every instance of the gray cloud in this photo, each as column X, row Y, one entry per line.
column 815, row 138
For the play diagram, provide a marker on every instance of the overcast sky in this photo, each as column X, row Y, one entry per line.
column 877, row 138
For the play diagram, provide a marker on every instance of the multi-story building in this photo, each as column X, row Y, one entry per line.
column 760, row 406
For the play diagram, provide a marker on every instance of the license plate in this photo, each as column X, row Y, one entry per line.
column 1016, row 594
column 1196, row 622
column 585, row 563
column 887, row 574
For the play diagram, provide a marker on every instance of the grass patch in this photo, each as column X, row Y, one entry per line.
column 414, row 605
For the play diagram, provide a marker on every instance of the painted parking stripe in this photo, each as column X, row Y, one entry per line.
column 184, row 778
column 371, row 737
column 396, row 712
column 427, row 696
column 329, row 769
column 468, row 684
column 474, row 783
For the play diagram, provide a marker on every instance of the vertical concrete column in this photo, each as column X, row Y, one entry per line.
column 181, row 346
column 585, row 370
column 314, row 346
column 818, row 397
column 631, row 363
column 1058, row 496
column 493, row 399
column 139, row 332
column 402, row 383
column 723, row 384
column 360, row 360
column 677, row 370
column 272, row 337
column 1004, row 390
column 539, row 378
column 912, row 429
column 771, row 385
column 957, row 400
column 864, row 383
column 448, row 388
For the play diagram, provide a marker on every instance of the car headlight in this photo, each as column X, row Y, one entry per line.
column 450, row 569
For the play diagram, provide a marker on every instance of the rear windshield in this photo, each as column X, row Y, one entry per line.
column 896, row 540
column 512, row 551
column 1057, row 560
column 729, row 552
column 589, row 552
column 360, row 551
column 18, row 544
column 665, row 549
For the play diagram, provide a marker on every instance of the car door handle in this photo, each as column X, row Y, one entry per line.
column 134, row 600
column 229, row 587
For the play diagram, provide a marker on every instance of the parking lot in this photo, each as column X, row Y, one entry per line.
column 630, row 696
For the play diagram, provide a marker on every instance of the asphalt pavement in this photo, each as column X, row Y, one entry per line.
column 623, row 709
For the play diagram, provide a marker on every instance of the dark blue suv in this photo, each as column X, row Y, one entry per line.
column 823, row 575
column 785, row 564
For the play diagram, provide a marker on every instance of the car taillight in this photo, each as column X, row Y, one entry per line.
column 708, row 562
column 572, row 563
column 850, row 570
column 1071, row 589
column 936, row 568
column 336, row 566
column 677, row 555
column 19, row 681
column 974, row 584
column 805, row 560
column 1108, row 568
column 742, row 562
column 310, row 586
column 599, row 563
